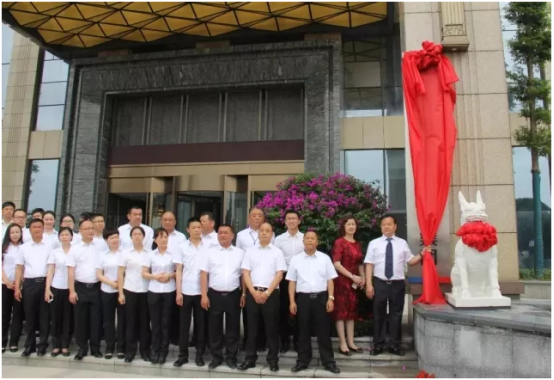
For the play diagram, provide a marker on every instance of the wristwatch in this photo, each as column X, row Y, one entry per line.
column 244, row 294
column 267, row 293
column 331, row 298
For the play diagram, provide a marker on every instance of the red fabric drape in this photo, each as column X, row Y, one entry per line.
column 428, row 78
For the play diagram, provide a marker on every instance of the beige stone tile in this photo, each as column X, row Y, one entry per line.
column 494, row 116
column 36, row 146
column 468, row 17
column 52, row 147
column 29, row 92
column 20, row 164
column 490, row 73
column 22, row 149
column 7, row 192
column 501, row 207
column 508, row 265
column 467, row 169
column 395, row 132
column 418, row 27
column 418, row 7
column 487, row 26
column 28, row 105
column 437, row 27
column 497, row 162
column 18, row 191
column 352, row 133
column 482, row 6
column 19, row 178
column 373, row 133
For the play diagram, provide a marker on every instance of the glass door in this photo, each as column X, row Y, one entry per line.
column 194, row 203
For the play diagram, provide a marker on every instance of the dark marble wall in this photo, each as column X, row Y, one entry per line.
column 315, row 64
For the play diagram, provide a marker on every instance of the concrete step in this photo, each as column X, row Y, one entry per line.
column 367, row 368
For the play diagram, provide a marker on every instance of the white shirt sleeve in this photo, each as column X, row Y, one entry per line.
column 70, row 261
column 281, row 263
column 291, row 274
column 246, row 262
column 20, row 258
column 330, row 269
column 51, row 258
column 407, row 252
column 147, row 260
column 369, row 257
column 123, row 260
column 204, row 262
column 178, row 254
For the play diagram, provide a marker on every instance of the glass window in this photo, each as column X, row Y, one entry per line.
column 52, row 94
column 50, row 118
column 54, row 71
column 43, row 184
column 7, row 43
column 524, row 207
column 394, row 101
column 362, row 74
column 363, row 102
column 366, row 165
column 395, row 169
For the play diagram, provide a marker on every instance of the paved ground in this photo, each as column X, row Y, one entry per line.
column 9, row 371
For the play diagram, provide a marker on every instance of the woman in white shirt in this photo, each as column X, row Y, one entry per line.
column 50, row 234
column 106, row 272
column 57, row 294
column 133, row 290
column 12, row 310
column 158, row 267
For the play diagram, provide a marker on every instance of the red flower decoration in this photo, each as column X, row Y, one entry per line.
column 478, row 235
column 424, row 375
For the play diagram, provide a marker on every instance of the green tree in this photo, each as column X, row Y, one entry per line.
column 531, row 49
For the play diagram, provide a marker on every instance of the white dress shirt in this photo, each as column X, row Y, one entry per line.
column 248, row 238
column 290, row 245
column 34, row 256
column 176, row 238
column 26, row 235
column 108, row 262
column 83, row 257
column 160, row 263
column 100, row 243
column 210, row 239
column 132, row 260
column 376, row 255
column 189, row 256
column 52, row 237
column 77, row 238
column 263, row 264
column 125, row 237
column 311, row 273
column 9, row 261
column 223, row 267
column 5, row 228
column 59, row 258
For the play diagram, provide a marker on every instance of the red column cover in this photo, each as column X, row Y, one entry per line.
column 429, row 94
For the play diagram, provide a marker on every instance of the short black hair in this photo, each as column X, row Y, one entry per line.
column 85, row 215
column 256, row 208
column 66, row 216
column 109, row 233
column 388, row 216
column 62, row 229
column 269, row 224
column 137, row 228
column 33, row 221
column 312, row 230
column 38, row 209
column 20, row 210
column 49, row 212
column 8, row 204
column 158, row 232
column 135, row 207
column 225, row 225
column 292, row 212
column 209, row 214
column 96, row 215
column 84, row 220
column 192, row 220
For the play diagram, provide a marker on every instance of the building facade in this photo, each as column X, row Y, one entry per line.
column 174, row 112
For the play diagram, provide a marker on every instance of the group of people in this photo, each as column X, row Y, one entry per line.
column 140, row 286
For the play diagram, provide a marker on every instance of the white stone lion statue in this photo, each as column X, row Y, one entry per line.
column 475, row 272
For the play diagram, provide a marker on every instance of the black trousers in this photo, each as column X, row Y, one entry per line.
column 269, row 314
column 111, row 305
column 87, row 316
column 36, row 310
column 228, row 304
column 314, row 307
column 175, row 325
column 206, row 329
column 261, row 340
column 285, row 329
column 138, row 322
column 392, row 292
column 12, row 311
column 61, row 311
column 192, row 307
column 160, row 306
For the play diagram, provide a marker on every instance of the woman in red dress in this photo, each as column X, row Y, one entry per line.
column 348, row 261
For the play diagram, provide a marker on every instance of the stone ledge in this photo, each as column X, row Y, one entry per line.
column 506, row 288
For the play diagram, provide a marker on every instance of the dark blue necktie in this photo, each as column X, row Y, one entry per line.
column 388, row 259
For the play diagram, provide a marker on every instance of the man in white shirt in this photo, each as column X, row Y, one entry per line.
column 262, row 270
column 7, row 215
column 20, row 218
column 209, row 236
column 291, row 243
column 135, row 219
column 189, row 295
column 220, row 282
column 84, row 292
column 248, row 238
column 99, row 224
column 310, row 278
column 32, row 265
column 385, row 282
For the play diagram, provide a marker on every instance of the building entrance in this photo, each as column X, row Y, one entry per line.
column 194, row 203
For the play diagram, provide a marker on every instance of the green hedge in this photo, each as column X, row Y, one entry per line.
column 529, row 274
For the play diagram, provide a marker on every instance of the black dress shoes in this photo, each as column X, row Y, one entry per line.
column 80, row 355
column 299, row 367
column 155, row 359
column 332, row 368
column 146, row 357
column 199, row 361
column 285, row 346
column 121, row 355
column 163, row 357
column 41, row 352
column 13, row 349
column 214, row 364
column 97, row 354
column 231, row 363
column 28, row 352
column 274, row 367
column 244, row 366
column 397, row 351
column 3, row 349
column 180, row 362
column 108, row 355
column 376, row 351
column 54, row 354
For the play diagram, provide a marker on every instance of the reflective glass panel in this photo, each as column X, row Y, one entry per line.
column 363, row 102
column 394, row 101
column 42, row 184
column 55, row 71
column 7, row 43
column 366, row 165
column 50, row 118
column 52, row 94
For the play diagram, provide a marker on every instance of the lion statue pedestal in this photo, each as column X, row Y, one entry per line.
column 475, row 272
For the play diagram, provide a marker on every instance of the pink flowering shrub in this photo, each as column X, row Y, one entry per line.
column 322, row 201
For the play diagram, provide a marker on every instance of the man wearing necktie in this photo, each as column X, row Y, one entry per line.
column 385, row 261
